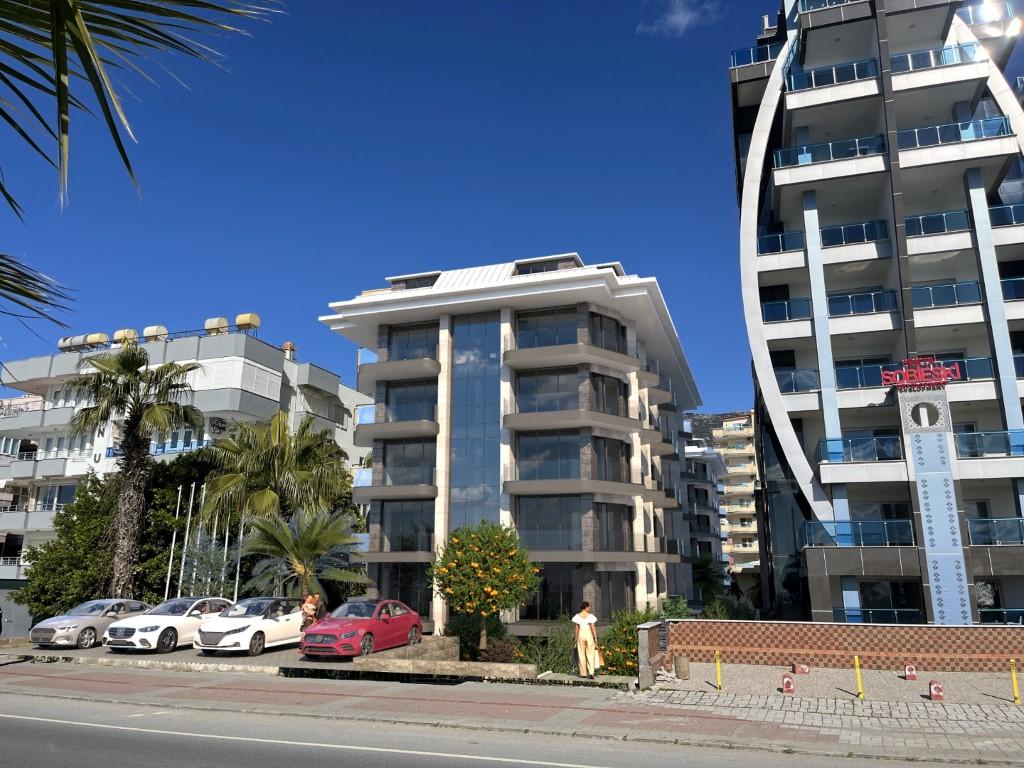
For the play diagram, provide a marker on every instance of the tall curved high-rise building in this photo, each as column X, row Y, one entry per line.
column 879, row 165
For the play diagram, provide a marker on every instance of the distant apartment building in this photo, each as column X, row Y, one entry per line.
column 704, row 474
column 734, row 439
column 543, row 394
column 243, row 378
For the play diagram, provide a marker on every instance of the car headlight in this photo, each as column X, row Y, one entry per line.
column 236, row 631
column 67, row 627
column 347, row 635
column 153, row 628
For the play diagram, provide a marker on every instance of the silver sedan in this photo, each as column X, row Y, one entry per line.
column 84, row 624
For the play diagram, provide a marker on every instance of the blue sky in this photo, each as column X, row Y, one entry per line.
column 353, row 140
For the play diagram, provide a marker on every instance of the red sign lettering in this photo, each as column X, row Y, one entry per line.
column 922, row 373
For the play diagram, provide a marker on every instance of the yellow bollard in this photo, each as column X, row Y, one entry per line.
column 860, row 682
column 1013, row 681
column 718, row 669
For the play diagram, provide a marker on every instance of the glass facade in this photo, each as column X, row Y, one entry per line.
column 408, row 525
column 475, row 419
column 546, row 327
column 611, row 460
column 408, row 582
column 409, row 462
column 412, row 400
column 554, row 598
column 614, row 527
column 552, row 390
column 550, row 522
column 607, row 333
column 610, row 394
column 411, row 342
column 548, row 455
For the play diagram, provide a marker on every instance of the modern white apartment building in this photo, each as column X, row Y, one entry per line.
column 543, row 394
column 243, row 378
column 735, row 441
column 878, row 148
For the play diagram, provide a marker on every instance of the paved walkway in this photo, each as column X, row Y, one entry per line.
column 925, row 730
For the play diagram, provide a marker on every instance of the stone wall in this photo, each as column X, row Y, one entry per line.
column 931, row 648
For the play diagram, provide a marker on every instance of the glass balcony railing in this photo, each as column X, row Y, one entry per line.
column 805, row 380
column 1013, row 288
column 843, row 450
column 851, row 234
column 989, row 532
column 159, row 449
column 862, row 376
column 878, row 615
column 1006, row 215
column 859, row 533
column 366, row 356
column 781, row 311
column 980, row 445
column 816, row 5
column 1002, row 615
column 986, row 12
column 937, row 57
column 945, row 295
column 741, row 57
column 362, row 477
column 367, row 414
column 865, row 303
column 844, row 149
column 780, row 242
column 832, row 75
column 937, row 223
column 1018, row 366
column 954, row 133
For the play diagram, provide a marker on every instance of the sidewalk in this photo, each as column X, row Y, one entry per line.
column 829, row 726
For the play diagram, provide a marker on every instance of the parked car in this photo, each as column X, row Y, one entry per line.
column 251, row 625
column 164, row 628
column 84, row 624
column 360, row 627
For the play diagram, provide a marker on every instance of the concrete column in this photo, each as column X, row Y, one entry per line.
column 439, row 611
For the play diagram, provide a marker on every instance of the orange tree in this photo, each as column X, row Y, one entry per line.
column 482, row 571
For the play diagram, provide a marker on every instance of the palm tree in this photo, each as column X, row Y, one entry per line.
column 303, row 551
column 124, row 388
column 49, row 46
column 264, row 470
column 708, row 578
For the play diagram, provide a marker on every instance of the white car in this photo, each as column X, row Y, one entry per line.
column 165, row 627
column 252, row 625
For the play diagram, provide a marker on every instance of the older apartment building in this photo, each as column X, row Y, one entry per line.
column 878, row 149
column 243, row 378
column 734, row 439
column 543, row 394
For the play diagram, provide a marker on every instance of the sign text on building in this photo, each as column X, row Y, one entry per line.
column 922, row 373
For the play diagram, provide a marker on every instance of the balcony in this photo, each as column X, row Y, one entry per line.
column 1001, row 615
column 802, row 380
column 738, row 489
column 12, row 568
column 836, row 74
column 408, row 420
column 169, row 448
column 953, row 142
column 950, row 56
column 878, row 616
column 785, row 311
column 1006, row 215
column 947, row 304
column 404, row 368
column 938, row 223
column 743, row 57
column 827, row 152
column 404, row 483
column 859, row 304
column 560, row 355
column 996, row 532
column 859, row 533
column 860, row 449
column 989, row 19
column 806, row 6
column 853, row 234
column 981, row 445
column 781, row 250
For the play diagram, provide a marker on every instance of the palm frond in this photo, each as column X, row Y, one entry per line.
column 34, row 294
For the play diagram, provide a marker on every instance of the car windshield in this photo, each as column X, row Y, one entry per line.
column 361, row 610
column 91, row 608
column 171, row 608
column 254, row 607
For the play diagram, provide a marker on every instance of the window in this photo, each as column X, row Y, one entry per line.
column 611, row 460
column 610, row 394
column 407, row 526
column 615, row 527
column 546, row 327
column 550, row 522
column 412, row 401
column 554, row 390
column 408, row 582
column 548, row 455
column 607, row 333
column 554, row 598
column 535, row 267
column 411, row 342
column 617, row 591
column 422, row 281
column 409, row 462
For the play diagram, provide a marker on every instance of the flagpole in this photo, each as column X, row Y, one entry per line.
column 174, row 540
column 184, row 547
column 199, row 539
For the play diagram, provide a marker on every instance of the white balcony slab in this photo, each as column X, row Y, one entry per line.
column 877, row 321
column 12, row 521
column 834, row 169
column 864, row 472
column 1009, row 235
column 792, row 329
column 844, row 254
column 868, row 397
column 938, row 316
column 39, row 520
column 1020, row 387
column 992, row 468
column 960, row 151
column 785, row 260
column 814, row 97
column 952, row 241
column 926, row 78
column 971, row 391
column 10, row 572
column 1014, row 309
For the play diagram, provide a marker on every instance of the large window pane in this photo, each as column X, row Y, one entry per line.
column 615, row 527
column 554, row 390
column 546, row 327
column 611, row 460
column 610, row 394
column 412, row 400
column 409, row 462
column 550, row 522
column 409, row 342
column 548, row 455
column 408, row 582
column 607, row 333
column 556, row 597
column 407, row 526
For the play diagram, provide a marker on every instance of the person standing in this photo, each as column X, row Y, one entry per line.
column 586, row 640
column 308, row 611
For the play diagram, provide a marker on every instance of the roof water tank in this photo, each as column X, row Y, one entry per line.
column 247, row 321
column 216, row 326
column 154, row 333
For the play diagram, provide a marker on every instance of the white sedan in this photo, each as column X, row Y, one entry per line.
column 252, row 625
column 165, row 627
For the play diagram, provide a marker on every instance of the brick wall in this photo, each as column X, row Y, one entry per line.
column 930, row 648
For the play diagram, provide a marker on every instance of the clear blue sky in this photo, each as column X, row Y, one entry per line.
column 353, row 140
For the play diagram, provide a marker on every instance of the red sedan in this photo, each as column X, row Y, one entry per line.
column 360, row 627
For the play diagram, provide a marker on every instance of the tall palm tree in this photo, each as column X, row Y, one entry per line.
column 49, row 47
column 142, row 399
column 708, row 578
column 302, row 552
column 264, row 470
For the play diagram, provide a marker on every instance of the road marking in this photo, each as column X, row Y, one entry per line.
column 150, row 714
column 307, row 744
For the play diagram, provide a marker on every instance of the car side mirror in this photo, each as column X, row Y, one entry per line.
column 110, row 614
column 196, row 614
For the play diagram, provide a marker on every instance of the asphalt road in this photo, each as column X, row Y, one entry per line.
column 43, row 731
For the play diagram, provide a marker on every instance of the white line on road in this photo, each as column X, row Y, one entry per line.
column 305, row 744
column 151, row 714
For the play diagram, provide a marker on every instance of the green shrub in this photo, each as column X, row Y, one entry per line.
column 506, row 650
column 676, row 608
column 729, row 607
column 552, row 651
column 467, row 629
column 618, row 642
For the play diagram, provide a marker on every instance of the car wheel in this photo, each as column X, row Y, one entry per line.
column 414, row 636
column 366, row 646
column 167, row 641
column 87, row 638
column 207, row 652
column 257, row 644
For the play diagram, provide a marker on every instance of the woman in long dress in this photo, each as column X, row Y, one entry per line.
column 586, row 640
